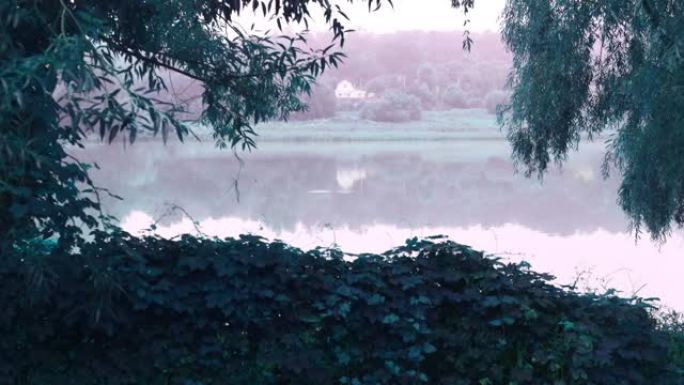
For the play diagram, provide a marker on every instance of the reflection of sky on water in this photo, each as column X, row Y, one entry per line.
column 372, row 196
column 612, row 258
column 450, row 184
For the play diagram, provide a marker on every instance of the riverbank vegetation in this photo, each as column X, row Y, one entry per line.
column 129, row 310
column 85, row 303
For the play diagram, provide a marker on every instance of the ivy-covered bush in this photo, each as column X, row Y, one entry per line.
column 672, row 323
column 127, row 310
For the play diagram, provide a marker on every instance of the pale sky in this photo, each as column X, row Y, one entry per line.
column 426, row 15
column 407, row 15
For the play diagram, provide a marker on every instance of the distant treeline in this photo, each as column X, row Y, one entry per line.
column 408, row 72
column 424, row 70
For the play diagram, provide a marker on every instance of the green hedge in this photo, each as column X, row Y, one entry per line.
column 129, row 310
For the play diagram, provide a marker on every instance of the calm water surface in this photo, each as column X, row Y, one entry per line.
column 372, row 195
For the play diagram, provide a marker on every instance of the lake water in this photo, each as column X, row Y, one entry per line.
column 372, row 194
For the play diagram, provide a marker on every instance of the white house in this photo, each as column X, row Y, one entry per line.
column 346, row 90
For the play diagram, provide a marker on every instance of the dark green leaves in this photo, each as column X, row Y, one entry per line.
column 75, row 68
column 582, row 68
column 72, row 68
column 129, row 310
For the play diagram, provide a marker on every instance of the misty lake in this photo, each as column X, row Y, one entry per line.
column 370, row 188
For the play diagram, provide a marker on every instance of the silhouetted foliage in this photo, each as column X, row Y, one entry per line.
column 582, row 68
column 124, row 310
column 70, row 68
column 128, row 310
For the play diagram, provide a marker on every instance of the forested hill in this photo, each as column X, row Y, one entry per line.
column 411, row 54
column 429, row 65
column 430, row 70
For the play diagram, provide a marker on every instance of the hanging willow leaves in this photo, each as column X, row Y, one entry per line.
column 584, row 68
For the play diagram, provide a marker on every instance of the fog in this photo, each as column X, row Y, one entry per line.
column 410, row 148
column 404, row 15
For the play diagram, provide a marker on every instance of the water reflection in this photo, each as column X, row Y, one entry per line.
column 368, row 196
column 452, row 184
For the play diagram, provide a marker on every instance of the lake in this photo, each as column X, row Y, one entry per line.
column 368, row 187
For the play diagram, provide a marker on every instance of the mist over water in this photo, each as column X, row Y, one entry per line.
column 399, row 141
column 371, row 195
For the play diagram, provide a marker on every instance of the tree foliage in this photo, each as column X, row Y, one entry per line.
column 426, row 64
column 394, row 106
column 70, row 67
column 582, row 68
column 118, row 309
column 129, row 310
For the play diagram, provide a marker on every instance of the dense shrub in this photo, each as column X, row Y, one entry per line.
column 394, row 106
column 672, row 323
column 129, row 310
